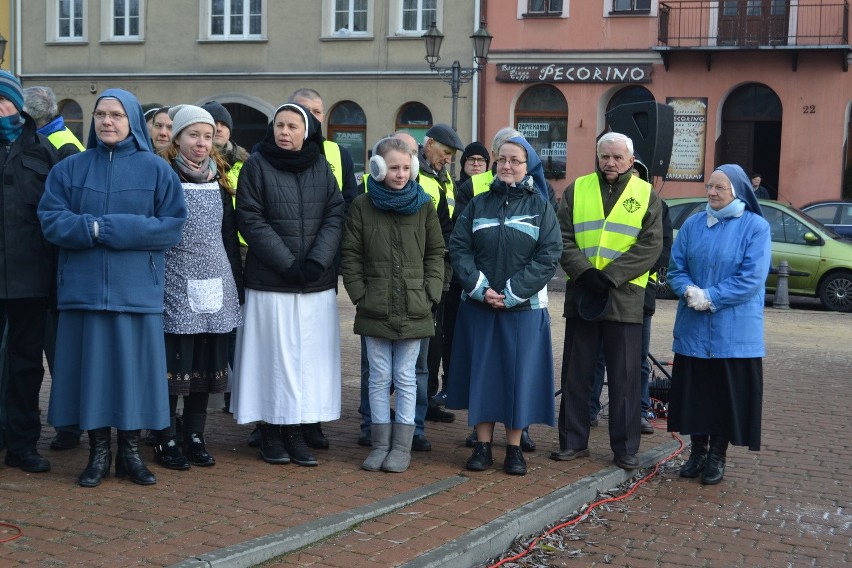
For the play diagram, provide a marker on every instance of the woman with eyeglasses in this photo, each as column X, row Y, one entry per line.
column 718, row 268
column 504, row 249
column 113, row 211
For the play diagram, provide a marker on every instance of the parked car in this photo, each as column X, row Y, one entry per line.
column 820, row 259
column 835, row 214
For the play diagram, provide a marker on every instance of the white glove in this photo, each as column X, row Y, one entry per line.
column 697, row 299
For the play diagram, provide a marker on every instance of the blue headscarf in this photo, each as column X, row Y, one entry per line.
column 741, row 185
column 535, row 169
column 135, row 117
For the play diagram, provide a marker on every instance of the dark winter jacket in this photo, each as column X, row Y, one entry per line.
column 136, row 199
column 393, row 269
column 507, row 239
column 27, row 259
column 288, row 219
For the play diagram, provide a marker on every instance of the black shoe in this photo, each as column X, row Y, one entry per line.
column 195, row 451
column 645, row 426
column 471, row 440
column 65, row 440
column 365, row 439
column 254, row 437
column 271, row 444
column 514, row 463
column 30, row 461
column 420, row 444
column 440, row 399
column 480, row 459
column 294, row 443
column 314, row 437
column 527, row 443
column 227, row 408
column 100, row 458
column 168, row 455
column 435, row 414
column 714, row 472
column 569, row 454
column 697, row 458
column 626, row 462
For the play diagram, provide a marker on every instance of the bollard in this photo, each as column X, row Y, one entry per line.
column 782, row 294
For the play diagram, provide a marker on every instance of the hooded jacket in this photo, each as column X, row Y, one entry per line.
column 730, row 259
column 137, row 201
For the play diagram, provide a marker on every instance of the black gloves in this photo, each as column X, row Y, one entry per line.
column 595, row 281
column 293, row 275
column 312, row 271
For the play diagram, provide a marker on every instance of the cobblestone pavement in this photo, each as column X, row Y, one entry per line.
column 787, row 505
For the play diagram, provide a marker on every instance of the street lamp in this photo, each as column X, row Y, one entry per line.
column 456, row 75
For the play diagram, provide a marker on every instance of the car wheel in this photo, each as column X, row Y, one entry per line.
column 663, row 290
column 835, row 292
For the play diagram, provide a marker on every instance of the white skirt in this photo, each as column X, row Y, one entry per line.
column 287, row 365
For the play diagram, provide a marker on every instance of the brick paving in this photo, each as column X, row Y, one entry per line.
column 787, row 505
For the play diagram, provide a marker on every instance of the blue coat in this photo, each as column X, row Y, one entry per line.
column 730, row 260
column 138, row 202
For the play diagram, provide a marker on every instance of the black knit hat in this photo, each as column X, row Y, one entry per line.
column 219, row 113
column 476, row 149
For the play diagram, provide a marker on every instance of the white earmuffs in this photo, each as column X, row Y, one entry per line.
column 379, row 169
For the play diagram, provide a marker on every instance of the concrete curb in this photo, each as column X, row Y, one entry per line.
column 494, row 538
column 258, row 550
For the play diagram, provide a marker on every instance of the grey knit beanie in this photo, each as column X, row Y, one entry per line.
column 185, row 115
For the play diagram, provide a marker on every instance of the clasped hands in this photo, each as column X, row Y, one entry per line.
column 494, row 299
column 697, row 298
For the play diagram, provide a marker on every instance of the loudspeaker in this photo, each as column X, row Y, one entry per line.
column 651, row 127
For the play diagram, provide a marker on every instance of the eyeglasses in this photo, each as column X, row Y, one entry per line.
column 475, row 161
column 513, row 162
column 719, row 188
column 114, row 116
column 161, row 125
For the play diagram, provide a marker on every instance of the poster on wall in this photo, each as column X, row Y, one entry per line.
column 690, row 131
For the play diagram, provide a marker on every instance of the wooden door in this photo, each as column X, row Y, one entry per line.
column 751, row 23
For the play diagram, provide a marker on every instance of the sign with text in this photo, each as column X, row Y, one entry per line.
column 690, row 132
column 573, row 73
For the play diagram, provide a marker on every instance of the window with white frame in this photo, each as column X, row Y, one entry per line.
column 627, row 6
column 351, row 17
column 418, row 15
column 122, row 20
column 66, row 20
column 236, row 19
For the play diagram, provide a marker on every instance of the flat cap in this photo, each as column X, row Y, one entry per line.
column 445, row 135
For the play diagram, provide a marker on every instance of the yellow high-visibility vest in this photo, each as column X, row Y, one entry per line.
column 233, row 176
column 433, row 190
column 62, row 137
column 332, row 156
column 481, row 182
column 603, row 239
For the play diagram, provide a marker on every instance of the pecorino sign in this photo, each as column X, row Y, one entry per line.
column 574, row 73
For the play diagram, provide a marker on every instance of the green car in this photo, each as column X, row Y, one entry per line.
column 820, row 259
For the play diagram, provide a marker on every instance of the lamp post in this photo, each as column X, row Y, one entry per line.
column 456, row 75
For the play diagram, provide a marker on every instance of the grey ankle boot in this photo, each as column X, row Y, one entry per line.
column 400, row 454
column 381, row 437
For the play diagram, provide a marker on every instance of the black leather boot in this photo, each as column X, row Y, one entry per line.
column 514, row 464
column 715, row 468
column 100, row 458
column 480, row 459
column 272, row 445
column 128, row 463
column 166, row 451
column 294, row 443
column 193, row 440
column 697, row 457
column 314, row 437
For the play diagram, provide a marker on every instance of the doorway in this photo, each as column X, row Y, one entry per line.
column 753, row 22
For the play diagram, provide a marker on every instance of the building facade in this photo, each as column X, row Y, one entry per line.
column 762, row 83
column 365, row 57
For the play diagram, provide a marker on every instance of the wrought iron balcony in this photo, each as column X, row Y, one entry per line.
column 722, row 25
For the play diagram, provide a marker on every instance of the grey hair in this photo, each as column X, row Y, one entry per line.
column 309, row 94
column 500, row 138
column 40, row 103
column 615, row 137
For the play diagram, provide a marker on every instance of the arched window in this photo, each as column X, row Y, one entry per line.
column 541, row 115
column 72, row 114
column 414, row 118
column 347, row 125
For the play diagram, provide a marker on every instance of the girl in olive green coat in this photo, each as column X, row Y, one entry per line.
column 393, row 271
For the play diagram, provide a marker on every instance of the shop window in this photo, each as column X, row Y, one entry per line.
column 541, row 115
column 347, row 125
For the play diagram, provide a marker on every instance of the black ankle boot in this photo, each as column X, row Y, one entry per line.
column 697, row 457
column 294, row 443
column 715, row 469
column 166, row 451
column 480, row 459
column 100, row 458
column 272, row 445
column 514, row 463
column 314, row 437
column 193, row 440
column 128, row 463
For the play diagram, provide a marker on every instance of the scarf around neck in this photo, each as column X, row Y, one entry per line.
column 195, row 173
column 295, row 161
column 406, row 201
column 733, row 209
column 11, row 127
